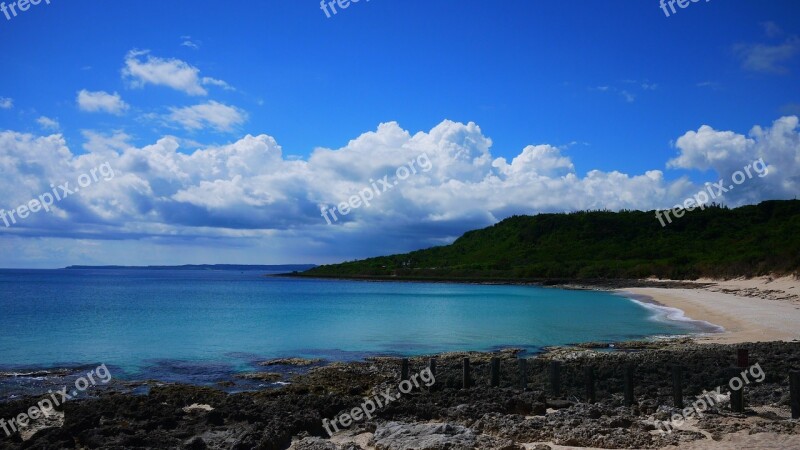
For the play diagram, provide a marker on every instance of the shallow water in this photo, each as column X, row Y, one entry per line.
column 202, row 326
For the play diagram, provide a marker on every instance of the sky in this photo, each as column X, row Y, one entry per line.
column 250, row 132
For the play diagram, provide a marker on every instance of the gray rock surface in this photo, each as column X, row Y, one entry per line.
column 435, row 436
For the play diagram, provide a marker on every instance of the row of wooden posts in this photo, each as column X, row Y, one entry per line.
column 737, row 396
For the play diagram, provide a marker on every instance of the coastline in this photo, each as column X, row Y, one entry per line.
column 761, row 309
column 671, row 314
column 449, row 415
column 754, row 310
column 479, row 416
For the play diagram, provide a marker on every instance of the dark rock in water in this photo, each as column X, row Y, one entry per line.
column 634, row 345
column 37, row 373
column 179, row 416
column 260, row 376
column 298, row 362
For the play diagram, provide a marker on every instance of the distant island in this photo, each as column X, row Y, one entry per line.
column 716, row 242
column 232, row 267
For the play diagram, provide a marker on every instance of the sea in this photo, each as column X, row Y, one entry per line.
column 208, row 327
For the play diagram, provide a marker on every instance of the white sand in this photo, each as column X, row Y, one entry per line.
column 755, row 310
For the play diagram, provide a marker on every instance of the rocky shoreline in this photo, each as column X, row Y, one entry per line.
column 446, row 415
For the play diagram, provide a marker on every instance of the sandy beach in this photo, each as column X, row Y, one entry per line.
column 750, row 310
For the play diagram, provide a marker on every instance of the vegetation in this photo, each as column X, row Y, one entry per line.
column 716, row 242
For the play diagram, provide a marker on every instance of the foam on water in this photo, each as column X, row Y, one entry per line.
column 668, row 314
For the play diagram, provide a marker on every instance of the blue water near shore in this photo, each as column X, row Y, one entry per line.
column 202, row 326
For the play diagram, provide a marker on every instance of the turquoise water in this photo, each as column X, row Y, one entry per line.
column 186, row 325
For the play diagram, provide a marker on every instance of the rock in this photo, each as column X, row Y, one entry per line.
column 314, row 443
column 594, row 413
column 298, row 362
column 196, row 444
column 260, row 376
column 434, row 436
column 559, row 404
column 476, row 418
column 215, row 418
column 195, row 407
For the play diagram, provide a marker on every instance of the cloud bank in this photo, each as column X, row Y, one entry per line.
column 247, row 197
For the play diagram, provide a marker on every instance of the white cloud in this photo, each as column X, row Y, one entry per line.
column 101, row 101
column 768, row 58
column 6, row 103
column 48, row 124
column 141, row 69
column 249, row 193
column 626, row 94
column 98, row 143
column 188, row 42
column 213, row 114
column 726, row 152
column 630, row 98
column 208, row 81
column 708, row 84
column 535, row 161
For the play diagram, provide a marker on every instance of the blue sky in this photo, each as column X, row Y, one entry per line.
column 592, row 86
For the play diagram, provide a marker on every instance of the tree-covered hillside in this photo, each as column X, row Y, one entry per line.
column 715, row 242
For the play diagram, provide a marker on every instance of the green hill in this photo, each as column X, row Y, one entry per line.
column 716, row 242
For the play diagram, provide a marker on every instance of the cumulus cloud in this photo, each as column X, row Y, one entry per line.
column 142, row 68
column 48, row 124
column 115, row 142
column 212, row 114
column 726, row 152
column 101, row 101
column 6, row 103
column 249, row 192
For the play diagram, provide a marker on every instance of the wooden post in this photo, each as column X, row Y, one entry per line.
column 677, row 386
column 523, row 374
column 555, row 378
column 495, row 372
column 404, row 369
column 794, row 393
column 590, row 394
column 737, row 396
column 628, row 385
column 466, row 380
column 743, row 357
